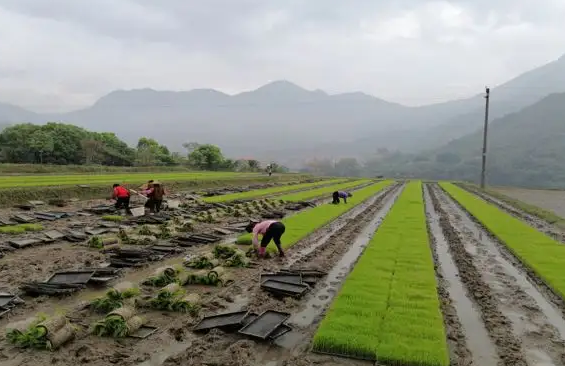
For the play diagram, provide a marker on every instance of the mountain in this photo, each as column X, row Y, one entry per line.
column 286, row 122
column 13, row 114
column 525, row 148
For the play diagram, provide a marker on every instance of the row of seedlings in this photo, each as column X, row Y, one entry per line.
column 304, row 223
column 388, row 308
column 537, row 251
column 269, row 191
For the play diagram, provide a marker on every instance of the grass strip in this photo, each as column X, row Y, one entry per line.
column 542, row 254
column 388, row 307
column 268, row 191
column 300, row 225
column 307, row 195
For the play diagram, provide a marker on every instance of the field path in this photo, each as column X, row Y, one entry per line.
column 546, row 199
column 525, row 326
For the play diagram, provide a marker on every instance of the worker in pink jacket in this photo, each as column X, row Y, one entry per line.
column 270, row 230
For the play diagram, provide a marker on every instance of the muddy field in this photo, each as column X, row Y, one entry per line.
column 37, row 263
column 495, row 312
column 546, row 199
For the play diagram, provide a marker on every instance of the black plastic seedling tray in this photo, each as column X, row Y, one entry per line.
column 282, row 277
column 71, row 277
column 226, row 321
column 280, row 331
column 265, row 324
column 283, row 288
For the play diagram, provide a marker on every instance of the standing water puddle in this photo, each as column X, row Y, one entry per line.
column 478, row 341
column 502, row 276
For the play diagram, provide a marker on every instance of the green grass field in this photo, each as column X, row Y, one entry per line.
column 388, row 308
column 300, row 225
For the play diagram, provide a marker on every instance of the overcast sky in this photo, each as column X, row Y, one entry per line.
column 64, row 54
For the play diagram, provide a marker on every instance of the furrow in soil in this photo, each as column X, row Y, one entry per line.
column 532, row 326
column 467, row 336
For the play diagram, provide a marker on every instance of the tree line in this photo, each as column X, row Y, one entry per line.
column 67, row 144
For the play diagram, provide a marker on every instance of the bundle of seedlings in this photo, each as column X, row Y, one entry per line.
column 99, row 242
column 186, row 226
column 41, row 332
column 205, row 260
column 218, row 276
column 165, row 232
column 141, row 239
column 173, row 298
column 114, row 218
column 20, row 228
column 194, row 277
column 163, row 276
column 121, row 294
column 118, row 323
column 224, row 251
column 238, row 259
column 145, row 230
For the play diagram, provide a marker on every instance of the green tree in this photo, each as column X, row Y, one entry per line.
column 206, row 157
column 41, row 143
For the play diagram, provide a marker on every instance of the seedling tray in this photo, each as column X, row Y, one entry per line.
column 71, row 277
column 265, row 324
column 249, row 318
column 22, row 243
column 280, row 331
column 282, row 277
column 290, row 289
column 224, row 321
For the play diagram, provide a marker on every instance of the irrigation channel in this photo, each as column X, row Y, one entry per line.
column 174, row 343
column 494, row 313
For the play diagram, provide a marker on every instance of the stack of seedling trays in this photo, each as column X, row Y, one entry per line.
column 51, row 215
column 191, row 239
column 157, row 219
column 68, row 282
column 266, row 326
column 101, row 209
column 290, row 282
column 133, row 257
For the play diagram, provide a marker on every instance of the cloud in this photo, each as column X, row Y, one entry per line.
column 64, row 54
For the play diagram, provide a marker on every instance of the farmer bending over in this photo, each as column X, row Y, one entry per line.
column 122, row 197
column 269, row 229
column 340, row 194
column 155, row 194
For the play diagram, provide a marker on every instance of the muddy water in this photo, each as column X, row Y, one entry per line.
column 535, row 321
column 483, row 351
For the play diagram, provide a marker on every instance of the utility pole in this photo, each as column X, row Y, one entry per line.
column 485, row 134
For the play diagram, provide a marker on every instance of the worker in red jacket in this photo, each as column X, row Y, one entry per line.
column 122, row 197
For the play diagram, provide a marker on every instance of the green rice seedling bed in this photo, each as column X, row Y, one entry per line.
column 302, row 224
column 543, row 255
column 388, row 307
column 268, row 191
column 307, row 195
column 93, row 179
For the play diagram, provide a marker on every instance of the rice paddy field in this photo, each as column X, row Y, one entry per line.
column 408, row 274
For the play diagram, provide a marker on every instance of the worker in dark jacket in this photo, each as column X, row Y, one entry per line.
column 155, row 194
column 270, row 230
column 340, row 194
column 122, row 197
